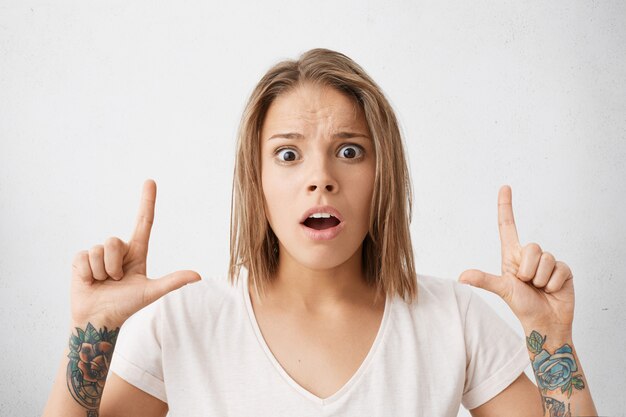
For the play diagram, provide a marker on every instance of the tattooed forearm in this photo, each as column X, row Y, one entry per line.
column 556, row 375
column 90, row 355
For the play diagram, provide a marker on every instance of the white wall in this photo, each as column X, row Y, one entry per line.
column 97, row 97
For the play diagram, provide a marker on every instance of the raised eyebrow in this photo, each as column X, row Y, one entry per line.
column 286, row 136
column 349, row 135
column 339, row 135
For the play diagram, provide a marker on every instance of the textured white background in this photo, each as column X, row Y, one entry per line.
column 97, row 97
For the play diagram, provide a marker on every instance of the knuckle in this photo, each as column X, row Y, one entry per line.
column 533, row 247
column 145, row 218
column 565, row 268
column 80, row 255
column 113, row 242
column 79, row 259
column 548, row 257
column 96, row 250
column 505, row 222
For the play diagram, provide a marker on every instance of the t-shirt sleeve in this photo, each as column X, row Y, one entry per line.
column 137, row 355
column 496, row 354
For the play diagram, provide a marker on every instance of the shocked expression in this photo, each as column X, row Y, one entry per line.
column 318, row 168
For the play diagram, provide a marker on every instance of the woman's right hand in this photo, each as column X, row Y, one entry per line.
column 109, row 282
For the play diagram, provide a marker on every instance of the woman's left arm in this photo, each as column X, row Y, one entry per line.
column 540, row 292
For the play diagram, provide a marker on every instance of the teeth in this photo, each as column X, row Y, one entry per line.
column 320, row 215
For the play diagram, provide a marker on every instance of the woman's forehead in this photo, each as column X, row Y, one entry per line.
column 310, row 106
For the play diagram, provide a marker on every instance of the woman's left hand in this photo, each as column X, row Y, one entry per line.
column 538, row 288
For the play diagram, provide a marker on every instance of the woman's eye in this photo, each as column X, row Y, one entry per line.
column 288, row 154
column 351, row 151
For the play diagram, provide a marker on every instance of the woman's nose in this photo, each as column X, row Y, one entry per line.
column 329, row 187
column 322, row 180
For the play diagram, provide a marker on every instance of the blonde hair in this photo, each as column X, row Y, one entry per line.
column 387, row 254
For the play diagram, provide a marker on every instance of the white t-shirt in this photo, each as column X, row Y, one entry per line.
column 200, row 350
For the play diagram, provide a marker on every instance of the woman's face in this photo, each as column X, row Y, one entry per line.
column 316, row 151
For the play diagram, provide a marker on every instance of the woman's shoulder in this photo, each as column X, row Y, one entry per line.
column 437, row 285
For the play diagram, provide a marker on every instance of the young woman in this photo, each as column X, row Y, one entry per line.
column 323, row 312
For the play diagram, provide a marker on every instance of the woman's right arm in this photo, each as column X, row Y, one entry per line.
column 109, row 284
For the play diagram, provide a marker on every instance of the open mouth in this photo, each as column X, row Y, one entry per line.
column 321, row 223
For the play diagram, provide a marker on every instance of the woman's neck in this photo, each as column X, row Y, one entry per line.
column 298, row 288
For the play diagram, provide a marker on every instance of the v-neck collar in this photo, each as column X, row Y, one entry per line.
column 356, row 377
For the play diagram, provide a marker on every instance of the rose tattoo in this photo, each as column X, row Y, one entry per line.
column 90, row 355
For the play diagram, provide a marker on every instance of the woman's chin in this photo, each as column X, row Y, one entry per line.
column 318, row 258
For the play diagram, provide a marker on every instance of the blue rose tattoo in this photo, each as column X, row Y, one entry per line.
column 554, row 371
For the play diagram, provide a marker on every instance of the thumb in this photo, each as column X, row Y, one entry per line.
column 492, row 283
column 157, row 288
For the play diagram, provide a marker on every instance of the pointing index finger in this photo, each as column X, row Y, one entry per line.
column 145, row 217
column 506, row 221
